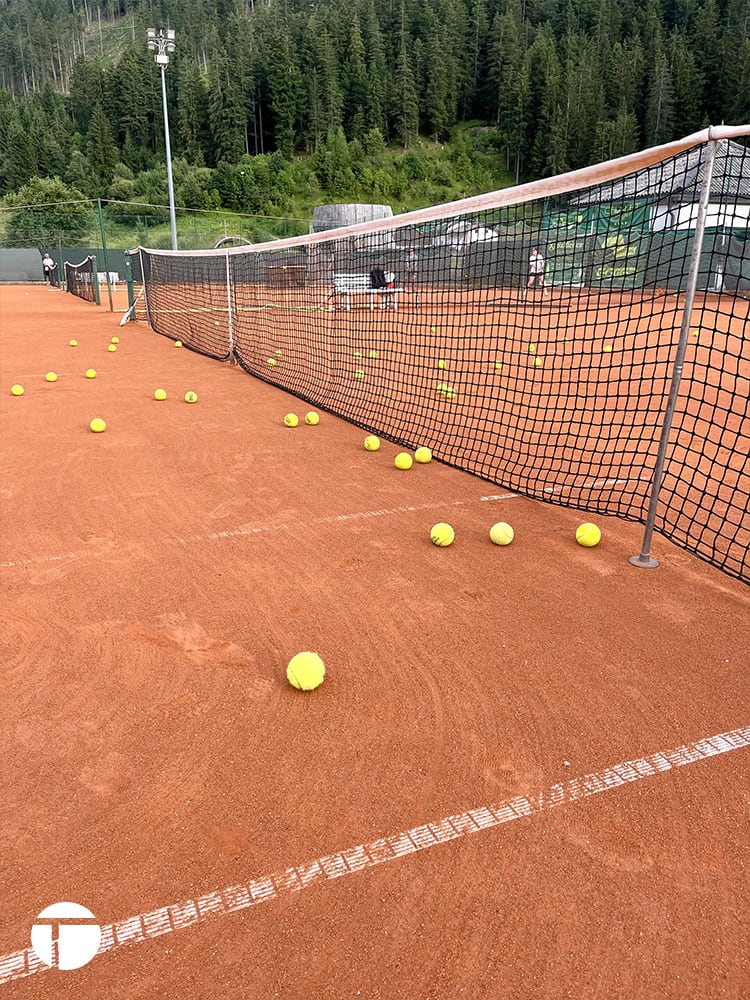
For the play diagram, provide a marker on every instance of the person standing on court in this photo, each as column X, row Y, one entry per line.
column 48, row 267
column 410, row 273
column 536, row 272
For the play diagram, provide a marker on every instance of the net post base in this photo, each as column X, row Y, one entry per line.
column 643, row 562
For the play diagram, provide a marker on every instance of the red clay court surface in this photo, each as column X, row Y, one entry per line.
column 525, row 775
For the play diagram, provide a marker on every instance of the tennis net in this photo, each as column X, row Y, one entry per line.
column 81, row 279
column 531, row 336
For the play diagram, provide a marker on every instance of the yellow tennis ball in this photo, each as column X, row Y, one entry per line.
column 278, row 354
column 423, row 456
column 271, row 362
column 403, row 460
column 373, row 354
column 17, row 390
column 538, row 362
column 502, row 533
column 433, row 329
column 112, row 348
column 359, row 373
column 532, row 349
column 312, row 418
column 449, row 393
column 97, row 425
column 442, row 534
column 372, row 443
column 73, row 343
column 305, row 671
column 498, row 365
column 607, row 348
column 178, row 343
column 442, row 388
column 160, row 394
column 191, row 397
column 115, row 340
column 291, row 420
column 51, row 376
column 357, row 355
column 90, row 373
column 442, row 364
column 588, row 535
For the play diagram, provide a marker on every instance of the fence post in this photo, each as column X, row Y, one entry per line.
column 645, row 560
column 104, row 254
column 129, row 284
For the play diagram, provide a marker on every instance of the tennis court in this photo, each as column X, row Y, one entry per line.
column 524, row 776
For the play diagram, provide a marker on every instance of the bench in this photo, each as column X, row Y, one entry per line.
column 347, row 285
column 101, row 277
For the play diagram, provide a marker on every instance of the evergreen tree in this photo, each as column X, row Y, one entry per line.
column 101, row 150
column 406, row 104
column 660, row 107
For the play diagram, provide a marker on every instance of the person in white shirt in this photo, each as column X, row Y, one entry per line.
column 536, row 272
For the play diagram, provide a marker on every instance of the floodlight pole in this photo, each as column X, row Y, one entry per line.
column 163, row 44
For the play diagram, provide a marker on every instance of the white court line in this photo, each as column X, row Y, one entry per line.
column 266, row 528
column 221, row 902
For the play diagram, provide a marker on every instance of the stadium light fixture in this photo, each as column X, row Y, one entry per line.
column 162, row 43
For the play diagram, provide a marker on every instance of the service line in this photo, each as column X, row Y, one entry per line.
column 167, row 919
column 266, row 528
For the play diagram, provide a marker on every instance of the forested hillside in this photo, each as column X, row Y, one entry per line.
column 565, row 83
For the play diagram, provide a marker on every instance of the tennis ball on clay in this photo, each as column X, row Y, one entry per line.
column 178, row 343
column 160, row 394
column 359, row 373
column 216, row 322
column 696, row 333
column 532, row 349
column 588, row 535
column 90, row 373
column 373, row 354
column 498, row 365
column 278, row 354
column 442, row 534
column 449, row 393
column 191, row 397
column 433, row 329
column 538, row 362
column 291, row 420
column 97, row 425
column 423, row 456
column 112, row 348
column 271, row 362
column 357, row 355
column 442, row 388
column 501, row 533
column 442, row 364
column 17, row 390
column 372, row 443
column 115, row 340
column 403, row 460
column 51, row 376
column 305, row 671
column 312, row 418
column 72, row 343
column 607, row 348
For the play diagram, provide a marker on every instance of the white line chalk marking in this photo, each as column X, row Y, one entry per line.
column 167, row 919
column 263, row 529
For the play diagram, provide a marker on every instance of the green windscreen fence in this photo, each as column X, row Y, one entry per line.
column 528, row 336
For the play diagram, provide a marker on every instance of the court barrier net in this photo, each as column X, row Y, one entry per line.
column 81, row 279
column 581, row 340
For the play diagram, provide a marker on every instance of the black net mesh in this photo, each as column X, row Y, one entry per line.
column 530, row 343
column 80, row 279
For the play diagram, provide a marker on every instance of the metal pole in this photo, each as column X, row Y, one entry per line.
column 104, row 255
column 172, row 218
column 230, row 324
column 645, row 559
